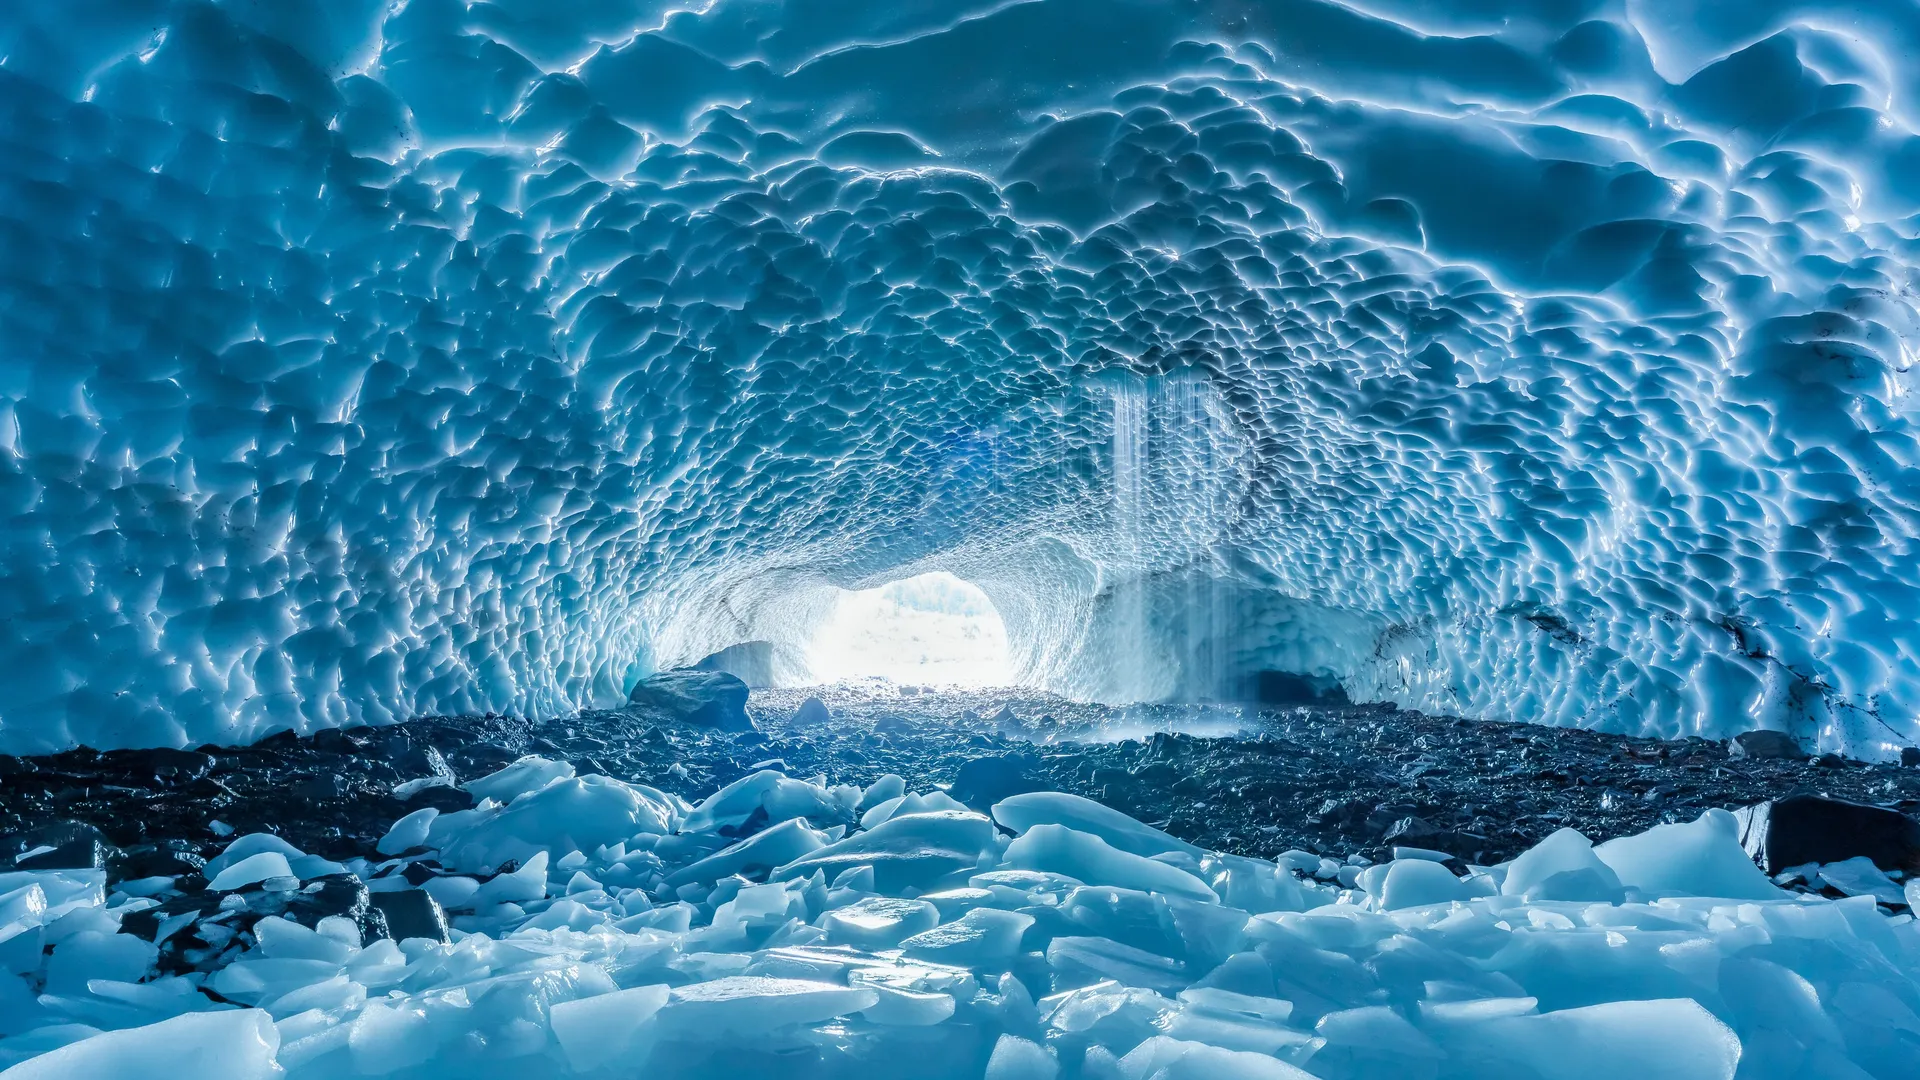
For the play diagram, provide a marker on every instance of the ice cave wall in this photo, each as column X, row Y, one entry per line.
column 361, row 360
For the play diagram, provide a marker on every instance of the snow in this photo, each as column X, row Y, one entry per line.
column 368, row 361
column 933, row 945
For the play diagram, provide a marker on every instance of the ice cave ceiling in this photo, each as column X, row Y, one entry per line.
column 365, row 359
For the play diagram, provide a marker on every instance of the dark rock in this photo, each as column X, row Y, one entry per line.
column 1421, row 833
column 163, row 763
column 76, row 846
column 1166, row 745
column 1292, row 688
column 344, row 895
column 146, row 924
column 1412, row 832
column 708, row 698
column 447, row 800
column 337, row 741
column 88, row 853
column 1385, row 817
column 984, row 781
column 1342, row 813
column 411, row 913
column 811, row 711
column 1765, row 744
column 1156, row 772
column 322, row 788
column 1910, row 756
column 168, row 858
column 1802, row 829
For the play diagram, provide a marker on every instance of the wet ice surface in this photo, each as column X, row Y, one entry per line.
column 632, row 897
column 371, row 361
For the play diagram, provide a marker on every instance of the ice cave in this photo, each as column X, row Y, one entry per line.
column 960, row 539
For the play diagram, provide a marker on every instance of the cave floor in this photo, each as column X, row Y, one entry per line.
column 1334, row 781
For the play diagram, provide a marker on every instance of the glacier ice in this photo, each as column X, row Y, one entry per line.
column 370, row 360
column 593, row 964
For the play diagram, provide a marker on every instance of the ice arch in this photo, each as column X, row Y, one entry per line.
column 361, row 360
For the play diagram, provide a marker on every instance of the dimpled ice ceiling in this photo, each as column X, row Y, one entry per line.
column 364, row 359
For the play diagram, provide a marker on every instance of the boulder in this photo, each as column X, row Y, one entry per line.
column 80, row 853
column 1418, row 832
column 412, row 913
column 1801, row 829
column 984, row 781
column 712, row 699
column 811, row 712
column 62, row 845
column 1762, row 743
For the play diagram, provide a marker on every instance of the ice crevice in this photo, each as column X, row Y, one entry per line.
column 366, row 361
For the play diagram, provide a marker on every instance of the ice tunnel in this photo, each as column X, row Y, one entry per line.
column 366, row 360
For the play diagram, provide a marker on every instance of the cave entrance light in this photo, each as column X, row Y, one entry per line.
column 929, row 630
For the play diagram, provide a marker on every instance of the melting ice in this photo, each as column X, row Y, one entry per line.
column 583, row 926
column 367, row 360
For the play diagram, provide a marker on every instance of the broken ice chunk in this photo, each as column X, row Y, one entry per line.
column 595, row 1030
column 527, row 884
column 1015, row 1058
column 1702, row 857
column 95, row 955
column 784, row 843
column 1674, row 1039
column 246, row 847
column 1562, row 867
column 1166, row 1058
column 749, row 1004
column 407, row 833
column 780, row 797
column 879, row 922
column 530, row 773
column 1408, row 883
column 234, row 1045
column 901, row 806
column 1082, row 961
column 909, row 851
column 1859, row 876
column 1089, row 858
column 251, row 870
column 983, row 939
column 575, row 813
column 1022, row 812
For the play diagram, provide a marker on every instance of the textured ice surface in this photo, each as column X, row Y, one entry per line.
column 932, row 947
column 362, row 360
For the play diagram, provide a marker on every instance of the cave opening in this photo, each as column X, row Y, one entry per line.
column 1328, row 539
column 931, row 629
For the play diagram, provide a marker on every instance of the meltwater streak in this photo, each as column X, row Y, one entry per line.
column 1176, row 482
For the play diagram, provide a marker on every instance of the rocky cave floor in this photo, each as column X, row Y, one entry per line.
column 1255, row 782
